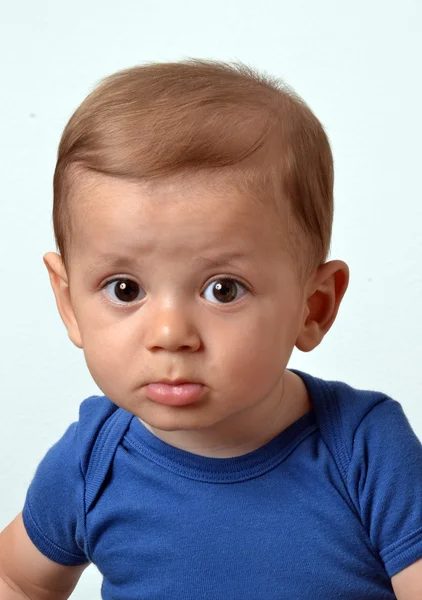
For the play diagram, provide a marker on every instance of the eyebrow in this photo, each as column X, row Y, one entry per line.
column 231, row 259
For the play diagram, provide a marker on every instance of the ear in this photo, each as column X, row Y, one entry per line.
column 60, row 284
column 327, row 290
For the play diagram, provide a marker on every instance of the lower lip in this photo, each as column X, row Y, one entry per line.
column 175, row 395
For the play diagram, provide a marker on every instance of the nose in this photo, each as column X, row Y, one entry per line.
column 170, row 329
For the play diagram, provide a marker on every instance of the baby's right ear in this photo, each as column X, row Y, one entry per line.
column 60, row 284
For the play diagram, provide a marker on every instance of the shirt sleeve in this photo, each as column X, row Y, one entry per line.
column 385, row 479
column 53, row 513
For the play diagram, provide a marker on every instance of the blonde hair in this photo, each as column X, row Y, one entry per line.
column 162, row 119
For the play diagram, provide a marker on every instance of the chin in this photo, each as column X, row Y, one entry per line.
column 177, row 419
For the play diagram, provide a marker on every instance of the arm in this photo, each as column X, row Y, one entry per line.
column 26, row 573
column 407, row 584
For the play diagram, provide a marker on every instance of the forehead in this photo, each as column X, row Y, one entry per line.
column 175, row 218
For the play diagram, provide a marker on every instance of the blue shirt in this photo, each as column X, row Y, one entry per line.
column 330, row 508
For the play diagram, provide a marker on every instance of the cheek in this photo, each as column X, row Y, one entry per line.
column 258, row 348
column 107, row 351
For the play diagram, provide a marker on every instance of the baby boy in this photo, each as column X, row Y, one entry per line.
column 193, row 207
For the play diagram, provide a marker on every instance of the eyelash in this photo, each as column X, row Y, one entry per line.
column 133, row 303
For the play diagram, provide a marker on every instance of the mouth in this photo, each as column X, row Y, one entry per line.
column 177, row 381
column 178, row 392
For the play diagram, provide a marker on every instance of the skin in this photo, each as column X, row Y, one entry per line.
column 176, row 326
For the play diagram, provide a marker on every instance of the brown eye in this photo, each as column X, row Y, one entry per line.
column 123, row 290
column 224, row 290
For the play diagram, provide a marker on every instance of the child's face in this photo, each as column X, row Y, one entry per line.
column 172, row 245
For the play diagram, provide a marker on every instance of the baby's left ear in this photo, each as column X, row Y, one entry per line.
column 327, row 291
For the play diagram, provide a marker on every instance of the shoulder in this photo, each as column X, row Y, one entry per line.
column 71, row 473
column 341, row 408
column 369, row 426
column 369, row 417
column 380, row 458
column 101, row 425
column 74, row 448
column 94, row 411
column 353, row 420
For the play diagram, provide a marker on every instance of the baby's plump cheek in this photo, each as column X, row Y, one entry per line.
column 109, row 359
column 254, row 359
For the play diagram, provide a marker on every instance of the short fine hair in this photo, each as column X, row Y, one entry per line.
column 162, row 119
